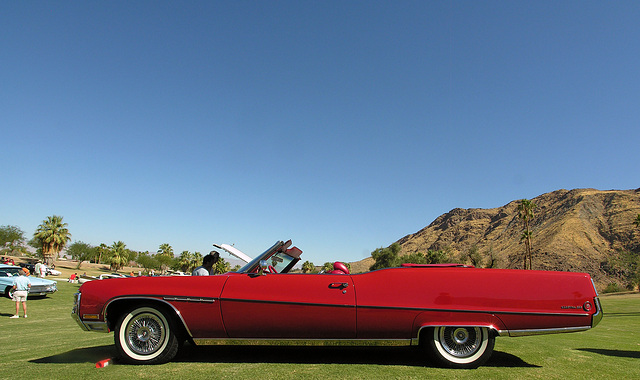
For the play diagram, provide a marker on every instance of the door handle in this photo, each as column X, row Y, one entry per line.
column 338, row 285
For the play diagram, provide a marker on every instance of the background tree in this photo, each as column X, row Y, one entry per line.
column 184, row 261
column 196, row 261
column 165, row 257
column 413, row 258
column 146, row 261
column 308, row 267
column 439, row 256
column 222, row 266
column 52, row 236
column 165, row 249
column 386, row 257
column 165, row 261
column 82, row 252
column 637, row 221
column 101, row 251
column 525, row 213
column 492, row 258
column 118, row 256
column 474, row 256
column 11, row 238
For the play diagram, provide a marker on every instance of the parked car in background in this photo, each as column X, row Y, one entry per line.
column 82, row 279
column 30, row 267
column 39, row 286
column 452, row 312
column 53, row 272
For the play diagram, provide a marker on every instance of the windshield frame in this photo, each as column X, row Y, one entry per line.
column 278, row 247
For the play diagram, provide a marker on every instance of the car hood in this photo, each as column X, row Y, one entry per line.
column 34, row 280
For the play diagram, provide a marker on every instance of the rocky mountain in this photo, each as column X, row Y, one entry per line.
column 573, row 230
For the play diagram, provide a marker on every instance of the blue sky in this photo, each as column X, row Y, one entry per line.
column 342, row 125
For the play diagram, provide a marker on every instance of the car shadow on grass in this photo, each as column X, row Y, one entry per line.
column 616, row 353
column 405, row 356
column 80, row 355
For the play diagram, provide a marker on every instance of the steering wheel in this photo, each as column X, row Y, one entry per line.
column 272, row 269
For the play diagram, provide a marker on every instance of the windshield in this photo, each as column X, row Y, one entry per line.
column 254, row 263
column 10, row 272
column 278, row 258
column 280, row 261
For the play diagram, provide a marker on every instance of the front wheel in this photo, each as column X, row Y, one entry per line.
column 8, row 292
column 145, row 335
column 461, row 347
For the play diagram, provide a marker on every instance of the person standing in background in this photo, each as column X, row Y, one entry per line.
column 206, row 269
column 21, row 285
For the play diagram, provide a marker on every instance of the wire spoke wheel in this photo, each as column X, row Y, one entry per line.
column 461, row 346
column 145, row 335
column 459, row 341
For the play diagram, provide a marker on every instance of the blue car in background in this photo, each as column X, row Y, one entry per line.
column 39, row 286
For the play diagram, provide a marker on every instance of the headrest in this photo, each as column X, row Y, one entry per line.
column 338, row 266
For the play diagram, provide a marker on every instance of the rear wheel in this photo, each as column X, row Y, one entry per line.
column 146, row 335
column 460, row 347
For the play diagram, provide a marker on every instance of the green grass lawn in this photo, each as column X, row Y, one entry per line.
column 49, row 344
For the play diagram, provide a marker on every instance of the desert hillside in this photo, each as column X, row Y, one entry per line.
column 573, row 230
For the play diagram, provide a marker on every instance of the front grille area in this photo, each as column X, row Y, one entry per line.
column 42, row 289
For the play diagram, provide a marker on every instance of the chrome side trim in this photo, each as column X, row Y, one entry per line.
column 190, row 299
column 106, row 306
column 300, row 342
column 558, row 330
column 494, row 312
column 287, row 303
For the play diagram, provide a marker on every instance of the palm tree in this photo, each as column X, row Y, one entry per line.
column 222, row 266
column 102, row 249
column 196, row 261
column 165, row 249
column 525, row 213
column 165, row 256
column 52, row 236
column 184, row 260
column 119, row 255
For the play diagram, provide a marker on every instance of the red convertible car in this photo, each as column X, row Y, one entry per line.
column 453, row 312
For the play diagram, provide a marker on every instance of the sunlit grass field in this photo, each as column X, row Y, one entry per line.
column 49, row 344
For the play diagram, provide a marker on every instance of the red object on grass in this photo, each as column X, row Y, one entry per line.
column 103, row 363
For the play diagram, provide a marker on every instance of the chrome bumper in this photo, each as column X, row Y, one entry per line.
column 597, row 317
column 97, row 326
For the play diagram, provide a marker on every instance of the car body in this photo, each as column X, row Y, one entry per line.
column 39, row 286
column 452, row 311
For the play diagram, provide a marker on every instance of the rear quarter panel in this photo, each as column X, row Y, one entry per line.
column 396, row 302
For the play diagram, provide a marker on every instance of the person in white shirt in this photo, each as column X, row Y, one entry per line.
column 206, row 269
column 21, row 285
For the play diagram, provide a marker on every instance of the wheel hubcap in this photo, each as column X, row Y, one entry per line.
column 460, row 341
column 145, row 334
column 460, row 336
